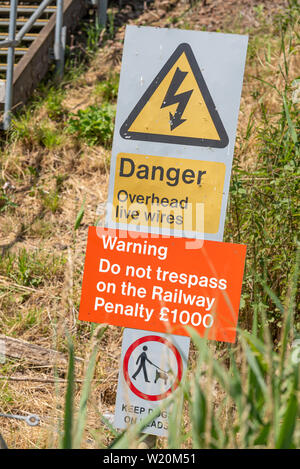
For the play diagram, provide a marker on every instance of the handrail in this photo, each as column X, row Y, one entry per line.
column 58, row 43
column 27, row 26
column 7, row 42
column 15, row 39
column 10, row 64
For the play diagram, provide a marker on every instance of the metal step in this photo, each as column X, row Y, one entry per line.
column 27, row 9
column 18, row 51
column 32, row 62
column 21, row 22
column 27, row 37
column 24, row 12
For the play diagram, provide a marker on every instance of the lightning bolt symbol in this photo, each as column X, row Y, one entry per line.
column 171, row 98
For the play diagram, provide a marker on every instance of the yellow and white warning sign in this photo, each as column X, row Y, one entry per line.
column 177, row 112
column 177, row 107
column 170, row 193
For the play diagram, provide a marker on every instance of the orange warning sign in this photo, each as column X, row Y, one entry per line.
column 162, row 284
column 177, row 107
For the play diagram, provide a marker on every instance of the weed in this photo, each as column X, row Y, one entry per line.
column 31, row 318
column 259, row 11
column 289, row 17
column 51, row 200
column 94, row 124
column 93, row 35
column 185, row 25
column 20, row 128
column 8, row 398
column 79, row 217
column 60, row 179
column 33, row 171
column 48, row 137
column 108, row 89
column 5, row 202
column 111, row 24
column 73, row 429
column 53, row 103
column 32, row 133
column 73, row 69
column 22, row 321
column 173, row 20
column 31, row 269
column 41, row 229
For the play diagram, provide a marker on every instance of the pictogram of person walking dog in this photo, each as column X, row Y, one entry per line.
column 159, row 373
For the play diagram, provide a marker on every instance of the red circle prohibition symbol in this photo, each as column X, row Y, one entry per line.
column 154, row 338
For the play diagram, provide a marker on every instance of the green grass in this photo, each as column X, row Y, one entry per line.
column 74, row 424
column 54, row 106
column 5, row 202
column 8, row 398
column 31, row 268
column 265, row 210
column 42, row 229
column 108, row 89
column 24, row 321
column 33, row 133
column 257, row 388
column 51, row 200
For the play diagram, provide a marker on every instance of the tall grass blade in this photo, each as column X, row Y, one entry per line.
column 79, row 216
column 174, row 421
column 199, row 412
column 286, row 434
column 68, row 415
column 292, row 129
column 81, row 416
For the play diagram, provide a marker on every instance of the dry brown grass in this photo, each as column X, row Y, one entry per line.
column 40, row 224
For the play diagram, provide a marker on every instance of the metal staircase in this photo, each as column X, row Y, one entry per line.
column 32, row 35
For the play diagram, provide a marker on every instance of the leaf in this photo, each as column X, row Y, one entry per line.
column 79, row 216
column 292, row 129
column 285, row 438
column 81, row 417
column 254, row 366
column 198, row 416
column 262, row 438
column 109, row 425
column 174, row 421
column 86, row 389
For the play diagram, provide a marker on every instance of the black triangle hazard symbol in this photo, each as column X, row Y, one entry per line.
column 177, row 107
